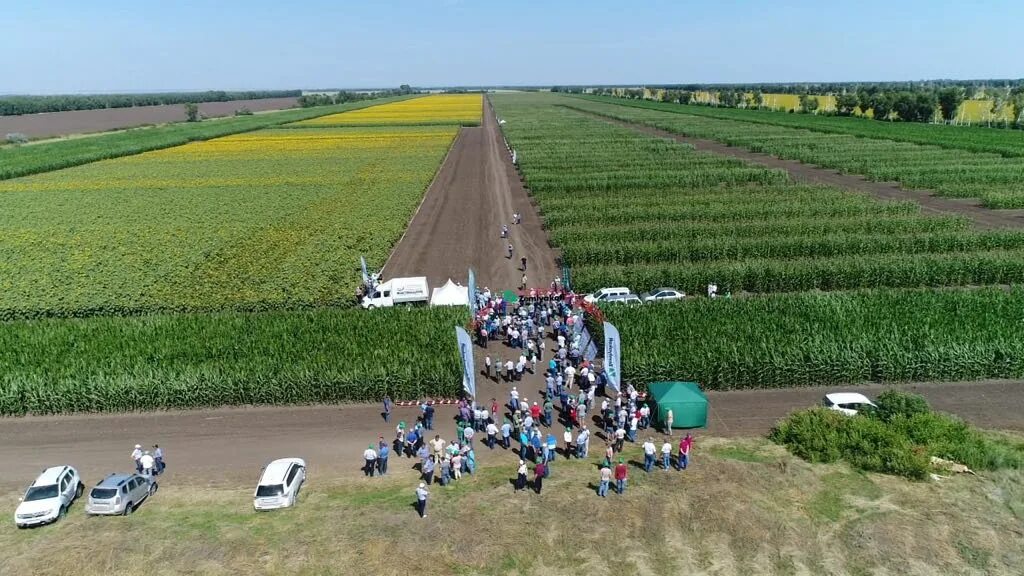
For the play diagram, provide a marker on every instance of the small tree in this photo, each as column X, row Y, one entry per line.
column 808, row 103
column 17, row 138
column 949, row 100
column 758, row 99
column 191, row 112
column 847, row 103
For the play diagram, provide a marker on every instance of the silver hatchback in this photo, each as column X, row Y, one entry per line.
column 120, row 494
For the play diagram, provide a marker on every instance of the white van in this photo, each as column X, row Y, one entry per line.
column 279, row 484
column 604, row 294
column 398, row 291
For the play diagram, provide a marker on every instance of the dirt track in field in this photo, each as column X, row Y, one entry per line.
column 228, row 446
column 458, row 225
column 931, row 203
column 51, row 124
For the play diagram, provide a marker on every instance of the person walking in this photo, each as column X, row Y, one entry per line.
column 521, row 476
column 668, row 421
column 510, row 251
column 649, row 452
column 492, row 434
column 620, row 438
column 382, row 458
column 666, row 454
column 136, row 455
column 605, row 479
column 158, row 456
column 621, row 476
column 421, row 500
column 428, row 471
column 387, row 408
column 523, row 259
column 504, row 230
column 487, row 366
column 513, row 397
column 539, row 472
column 370, row 455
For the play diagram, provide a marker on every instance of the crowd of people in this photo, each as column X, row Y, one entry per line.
column 150, row 463
column 537, row 334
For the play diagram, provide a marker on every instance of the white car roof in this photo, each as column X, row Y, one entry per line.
column 275, row 471
column 848, row 398
column 613, row 291
column 50, row 476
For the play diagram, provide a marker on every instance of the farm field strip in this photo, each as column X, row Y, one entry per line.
column 588, row 176
column 163, row 361
column 270, row 219
column 632, row 210
column 995, row 179
column 445, row 109
column 16, row 161
column 1008, row 143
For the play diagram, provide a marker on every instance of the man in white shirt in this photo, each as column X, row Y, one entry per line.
column 649, row 451
column 645, row 415
column 666, row 454
column 633, row 422
column 147, row 462
column 583, row 443
column 513, row 396
column 437, row 447
column 570, row 376
column 136, row 455
column 492, row 434
column 421, row 500
column 370, row 455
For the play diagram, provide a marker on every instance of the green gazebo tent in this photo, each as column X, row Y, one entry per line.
column 688, row 404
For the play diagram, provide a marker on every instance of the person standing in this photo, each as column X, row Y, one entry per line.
column 523, row 259
column 583, row 443
column 421, row 500
column 521, row 476
column 649, row 451
column 522, row 283
column 136, row 455
column 487, row 366
column 158, row 456
column 147, row 462
column 446, row 471
column 666, row 454
column 370, row 455
column 457, row 465
column 684, row 451
column 567, row 436
column 621, row 476
column 506, row 434
column 428, row 471
column 620, row 437
column 513, row 397
column 382, row 458
column 549, row 411
column 387, row 408
column 428, row 415
column 437, row 447
column 606, row 478
column 668, row 421
column 510, row 251
column 492, row 434
column 539, row 472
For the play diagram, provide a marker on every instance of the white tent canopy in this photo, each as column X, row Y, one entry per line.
column 451, row 294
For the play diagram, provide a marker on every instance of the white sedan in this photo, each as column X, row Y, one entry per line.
column 661, row 294
column 849, row 403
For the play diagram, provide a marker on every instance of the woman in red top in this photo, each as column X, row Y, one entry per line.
column 621, row 475
column 535, row 412
column 494, row 409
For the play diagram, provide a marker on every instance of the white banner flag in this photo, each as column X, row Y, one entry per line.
column 612, row 356
column 466, row 353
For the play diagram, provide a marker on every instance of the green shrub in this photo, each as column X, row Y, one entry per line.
column 899, row 439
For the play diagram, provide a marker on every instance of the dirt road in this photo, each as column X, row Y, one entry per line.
column 982, row 217
column 85, row 121
column 229, row 446
column 458, row 225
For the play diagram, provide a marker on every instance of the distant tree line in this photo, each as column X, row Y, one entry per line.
column 906, row 102
column 328, row 97
column 15, row 105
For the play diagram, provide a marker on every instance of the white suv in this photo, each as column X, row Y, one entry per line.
column 848, row 403
column 604, row 294
column 49, row 497
column 279, row 484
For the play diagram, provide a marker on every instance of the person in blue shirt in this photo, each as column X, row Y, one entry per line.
column 506, row 433
column 471, row 461
column 428, row 416
column 382, row 458
column 552, row 444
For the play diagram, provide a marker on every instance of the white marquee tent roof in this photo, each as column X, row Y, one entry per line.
column 451, row 294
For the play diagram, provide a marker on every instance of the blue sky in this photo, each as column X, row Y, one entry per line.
column 67, row 46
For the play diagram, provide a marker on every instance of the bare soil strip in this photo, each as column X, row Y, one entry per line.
column 50, row 124
column 229, row 445
column 983, row 218
column 458, row 225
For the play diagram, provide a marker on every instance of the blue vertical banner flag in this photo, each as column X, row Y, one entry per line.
column 612, row 356
column 466, row 353
column 472, row 292
column 366, row 275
